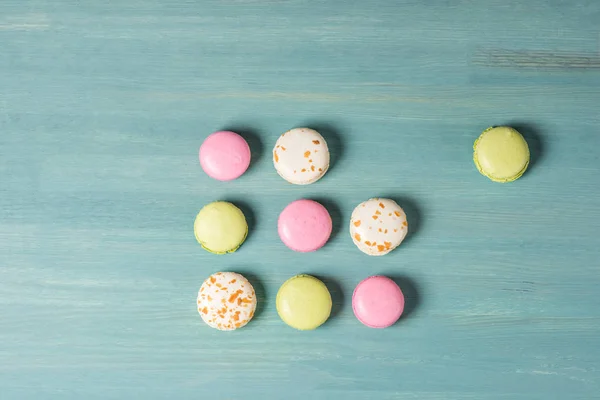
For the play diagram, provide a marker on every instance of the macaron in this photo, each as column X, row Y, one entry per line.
column 303, row 302
column 220, row 227
column 224, row 155
column 378, row 226
column 226, row 301
column 501, row 154
column 378, row 302
column 304, row 225
column 301, row 156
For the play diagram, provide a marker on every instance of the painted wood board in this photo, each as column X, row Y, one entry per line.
column 103, row 106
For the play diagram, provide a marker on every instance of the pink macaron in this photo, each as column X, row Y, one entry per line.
column 224, row 155
column 378, row 302
column 304, row 226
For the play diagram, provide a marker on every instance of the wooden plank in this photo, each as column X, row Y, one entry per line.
column 103, row 106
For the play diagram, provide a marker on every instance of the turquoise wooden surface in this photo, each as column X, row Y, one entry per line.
column 103, row 106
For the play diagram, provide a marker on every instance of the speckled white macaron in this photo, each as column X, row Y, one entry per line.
column 378, row 226
column 301, row 156
column 226, row 301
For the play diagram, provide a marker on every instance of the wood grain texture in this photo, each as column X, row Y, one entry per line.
column 103, row 105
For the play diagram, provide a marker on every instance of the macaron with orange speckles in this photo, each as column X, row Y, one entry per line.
column 378, row 226
column 226, row 301
column 301, row 156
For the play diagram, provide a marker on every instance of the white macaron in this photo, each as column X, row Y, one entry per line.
column 226, row 301
column 378, row 226
column 301, row 156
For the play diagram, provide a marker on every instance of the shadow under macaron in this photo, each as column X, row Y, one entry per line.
column 254, row 140
column 333, row 137
column 335, row 212
column 249, row 213
column 262, row 297
column 535, row 141
column 410, row 290
column 336, row 291
column 414, row 215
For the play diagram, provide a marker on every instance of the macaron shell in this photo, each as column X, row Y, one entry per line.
column 501, row 154
column 224, row 155
column 301, row 156
column 378, row 302
column 226, row 301
column 304, row 225
column 220, row 227
column 378, row 226
column 303, row 302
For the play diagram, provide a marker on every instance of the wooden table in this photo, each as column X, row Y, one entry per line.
column 103, row 105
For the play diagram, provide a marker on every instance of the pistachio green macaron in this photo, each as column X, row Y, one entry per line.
column 501, row 153
column 220, row 227
column 303, row 302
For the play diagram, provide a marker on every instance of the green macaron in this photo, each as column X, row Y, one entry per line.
column 220, row 227
column 501, row 154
